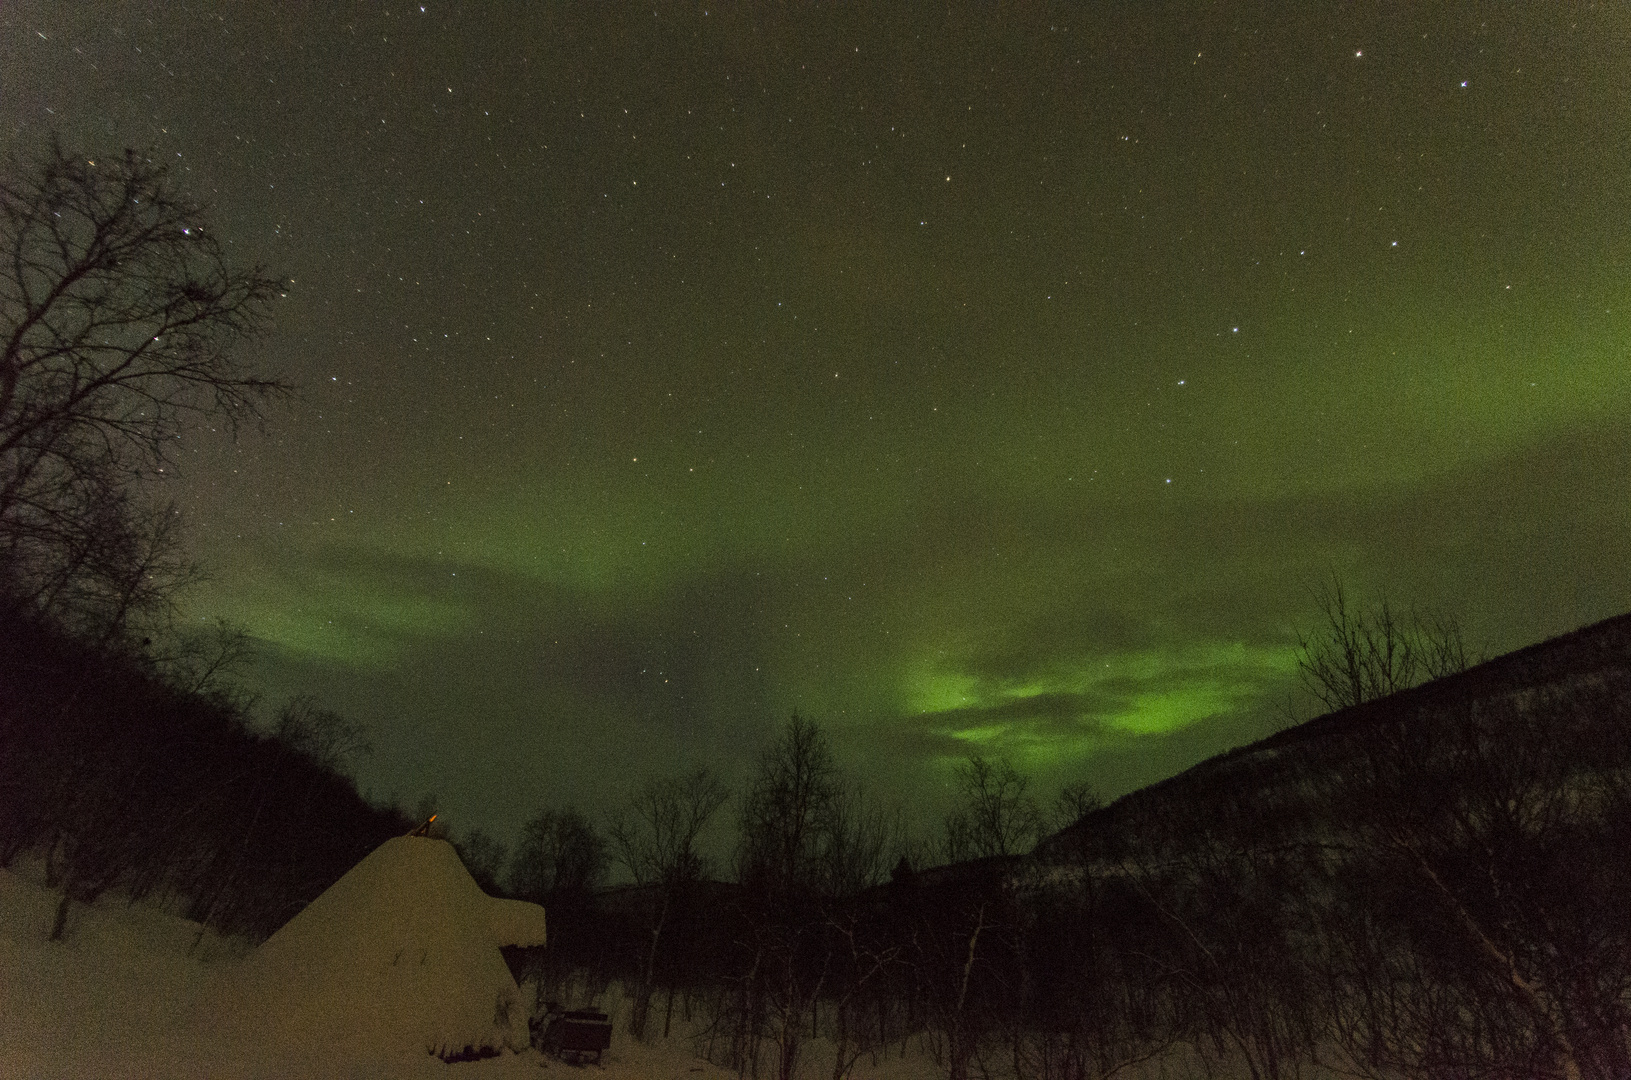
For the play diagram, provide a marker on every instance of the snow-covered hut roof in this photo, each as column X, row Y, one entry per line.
column 400, row 953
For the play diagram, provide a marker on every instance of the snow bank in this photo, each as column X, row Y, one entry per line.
column 99, row 1003
column 134, row 991
column 401, row 953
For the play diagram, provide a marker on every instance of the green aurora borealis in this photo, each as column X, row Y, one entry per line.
column 996, row 382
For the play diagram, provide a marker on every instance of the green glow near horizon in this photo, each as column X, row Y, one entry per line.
column 1143, row 692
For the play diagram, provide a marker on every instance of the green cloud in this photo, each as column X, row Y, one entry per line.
column 1076, row 706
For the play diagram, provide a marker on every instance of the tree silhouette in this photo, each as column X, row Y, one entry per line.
column 119, row 313
column 1368, row 651
column 996, row 814
column 785, row 817
column 655, row 839
column 560, row 855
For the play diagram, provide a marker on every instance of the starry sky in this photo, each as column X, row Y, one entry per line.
column 970, row 379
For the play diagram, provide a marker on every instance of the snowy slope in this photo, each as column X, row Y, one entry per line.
column 135, row 992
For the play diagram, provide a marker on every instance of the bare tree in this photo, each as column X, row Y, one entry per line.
column 785, row 813
column 857, row 842
column 1076, row 801
column 801, row 838
column 655, row 840
column 1476, row 845
column 1367, row 651
column 655, row 837
column 119, row 313
column 560, row 853
column 204, row 659
column 99, row 558
column 996, row 815
column 322, row 735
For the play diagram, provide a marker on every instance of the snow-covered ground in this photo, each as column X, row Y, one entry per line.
column 134, row 991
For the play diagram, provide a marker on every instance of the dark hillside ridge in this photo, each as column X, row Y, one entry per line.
column 1598, row 649
column 124, row 781
column 1590, row 650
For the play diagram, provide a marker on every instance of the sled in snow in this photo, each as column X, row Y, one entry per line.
column 578, row 1033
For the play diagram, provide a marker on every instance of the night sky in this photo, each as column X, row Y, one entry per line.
column 994, row 383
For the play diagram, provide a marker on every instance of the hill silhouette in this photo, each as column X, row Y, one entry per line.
column 1430, row 883
column 1601, row 651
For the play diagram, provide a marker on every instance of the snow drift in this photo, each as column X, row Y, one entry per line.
column 401, row 953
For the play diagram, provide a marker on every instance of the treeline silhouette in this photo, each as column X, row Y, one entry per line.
column 1433, row 883
column 128, row 765
column 122, row 779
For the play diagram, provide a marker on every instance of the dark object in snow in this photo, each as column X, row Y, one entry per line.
column 579, row 1033
column 470, row 1053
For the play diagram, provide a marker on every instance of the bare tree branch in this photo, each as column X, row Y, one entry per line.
column 119, row 314
column 1363, row 652
column 996, row 815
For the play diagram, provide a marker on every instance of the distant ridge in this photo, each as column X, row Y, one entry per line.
column 1591, row 650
